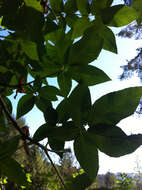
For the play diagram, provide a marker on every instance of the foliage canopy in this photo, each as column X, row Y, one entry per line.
column 59, row 39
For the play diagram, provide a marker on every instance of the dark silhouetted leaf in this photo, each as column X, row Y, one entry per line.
column 50, row 115
column 113, row 141
column 25, row 104
column 87, row 154
column 87, row 49
column 49, row 92
column 89, row 75
column 8, row 104
column 67, row 132
column 65, row 83
column 56, row 145
column 113, row 107
column 42, row 103
column 79, row 103
column 81, row 182
column 63, row 111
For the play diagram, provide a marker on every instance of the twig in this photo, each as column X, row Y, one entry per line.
column 30, row 139
column 56, row 170
column 21, row 132
column 26, row 84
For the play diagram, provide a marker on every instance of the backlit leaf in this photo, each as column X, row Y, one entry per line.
column 89, row 75
column 87, row 155
column 87, row 49
column 113, row 141
column 25, row 104
column 65, row 83
column 34, row 4
column 119, row 15
column 113, row 107
column 109, row 40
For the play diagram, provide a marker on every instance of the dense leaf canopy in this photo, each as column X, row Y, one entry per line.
column 59, row 39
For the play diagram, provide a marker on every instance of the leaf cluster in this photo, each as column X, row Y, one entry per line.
column 59, row 40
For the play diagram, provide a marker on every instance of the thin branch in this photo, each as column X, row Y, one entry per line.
column 41, row 78
column 56, row 170
column 30, row 139
column 23, row 135
column 26, row 84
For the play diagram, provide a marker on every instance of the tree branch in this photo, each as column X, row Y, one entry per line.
column 30, row 139
column 26, row 84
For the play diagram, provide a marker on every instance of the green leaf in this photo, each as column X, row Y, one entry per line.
column 63, row 111
column 30, row 49
column 34, row 4
column 57, row 145
column 42, row 132
column 118, row 15
column 89, row 75
column 79, row 103
column 70, row 6
column 49, row 26
column 87, row 154
column 83, row 6
column 8, row 147
column 50, row 115
column 65, row 83
column 109, row 40
column 80, row 26
column 23, row 22
column 42, row 103
column 67, row 132
column 137, row 5
column 111, row 139
column 25, row 104
column 61, row 42
column 56, row 5
column 113, row 107
column 96, row 6
column 49, row 92
column 88, row 48
column 8, row 104
column 12, row 169
column 81, row 182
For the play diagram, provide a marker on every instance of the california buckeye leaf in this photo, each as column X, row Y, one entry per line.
column 88, row 48
column 109, row 40
column 113, row 107
column 118, row 15
column 79, row 104
column 25, row 104
column 88, row 74
column 113, row 141
column 87, row 155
